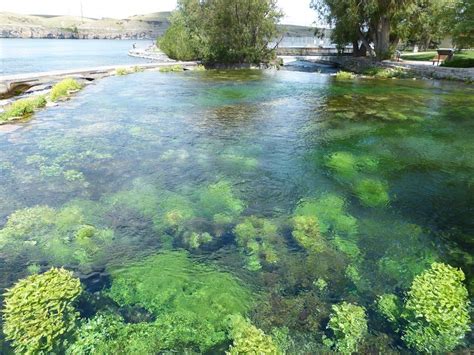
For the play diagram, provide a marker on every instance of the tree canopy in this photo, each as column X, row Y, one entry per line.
column 222, row 31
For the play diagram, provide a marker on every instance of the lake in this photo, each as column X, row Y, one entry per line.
column 38, row 55
column 182, row 199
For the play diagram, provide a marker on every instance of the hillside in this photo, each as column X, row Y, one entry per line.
column 37, row 26
column 148, row 26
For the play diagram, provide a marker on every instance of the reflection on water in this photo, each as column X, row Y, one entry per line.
column 295, row 188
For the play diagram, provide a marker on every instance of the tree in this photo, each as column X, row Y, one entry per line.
column 379, row 25
column 223, row 31
column 463, row 32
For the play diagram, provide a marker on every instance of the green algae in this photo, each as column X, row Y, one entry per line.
column 372, row 193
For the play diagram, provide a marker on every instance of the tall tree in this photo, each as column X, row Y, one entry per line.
column 224, row 31
column 463, row 27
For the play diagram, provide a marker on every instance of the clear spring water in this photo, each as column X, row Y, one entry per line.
column 135, row 153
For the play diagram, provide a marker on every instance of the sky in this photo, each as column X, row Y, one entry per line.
column 297, row 11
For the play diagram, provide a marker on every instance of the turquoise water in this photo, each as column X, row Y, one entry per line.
column 19, row 56
column 219, row 166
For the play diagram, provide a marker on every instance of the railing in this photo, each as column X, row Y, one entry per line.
column 310, row 51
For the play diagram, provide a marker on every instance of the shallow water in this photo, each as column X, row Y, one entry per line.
column 151, row 158
column 18, row 56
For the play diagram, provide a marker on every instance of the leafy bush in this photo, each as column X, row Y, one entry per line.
column 62, row 89
column 436, row 310
column 121, row 71
column 344, row 75
column 248, row 339
column 22, row 108
column 39, row 311
column 349, row 325
column 257, row 236
column 171, row 68
column 372, row 193
column 196, row 296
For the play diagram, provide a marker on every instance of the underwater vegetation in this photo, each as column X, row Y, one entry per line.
column 307, row 233
column 348, row 322
column 173, row 286
column 248, row 339
column 57, row 236
column 171, row 69
column 63, row 89
column 39, row 313
column 257, row 237
column 22, row 108
column 372, row 193
column 436, row 310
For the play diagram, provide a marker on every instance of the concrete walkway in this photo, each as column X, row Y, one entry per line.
column 10, row 83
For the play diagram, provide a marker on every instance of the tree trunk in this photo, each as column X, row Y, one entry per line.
column 366, row 43
column 382, row 38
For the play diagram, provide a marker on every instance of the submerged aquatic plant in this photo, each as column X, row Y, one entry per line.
column 436, row 310
column 372, row 193
column 39, row 313
column 59, row 236
column 248, row 339
column 348, row 323
column 22, row 108
column 171, row 68
column 347, row 165
column 306, row 232
column 330, row 212
column 258, row 237
column 217, row 202
column 172, row 285
column 64, row 88
column 389, row 307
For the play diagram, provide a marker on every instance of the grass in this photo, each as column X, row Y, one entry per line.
column 386, row 73
column 22, row 108
column 345, row 75
column 463, row 59
column 63, row 89
column 171, row 68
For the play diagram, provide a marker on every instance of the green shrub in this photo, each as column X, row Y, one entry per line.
column 248, row 339
column 39, row 312
column 344, row 75
column 62, row 89
column 121, row 71
column 386, row 73
column 22, row 108
column 349, row 325
column 436, row 310
column 257, row 236
column 306, row 232
column 372, row 193
column 172, row 285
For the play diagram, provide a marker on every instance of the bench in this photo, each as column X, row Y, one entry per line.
column 442, row 56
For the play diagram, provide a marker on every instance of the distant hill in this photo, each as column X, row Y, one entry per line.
column 148, row 26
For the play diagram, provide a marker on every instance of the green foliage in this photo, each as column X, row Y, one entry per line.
column 22, row 108
column 349, row 325
column 386, row 73
column 121, row 71
column 389, row 307
column 306, row 232
column 257, row 236
column 344, row 75
column 39, row 311
column 213, row 31
column 59, row 236
column 347, row 165
column 330, row 212
column 436, row 310
column 248, row 339
column 218, row 203
column 63, row 89
column 462, row 59
column 372, row 193
column 172, row 285
column 463, row 32
column 171, row 69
